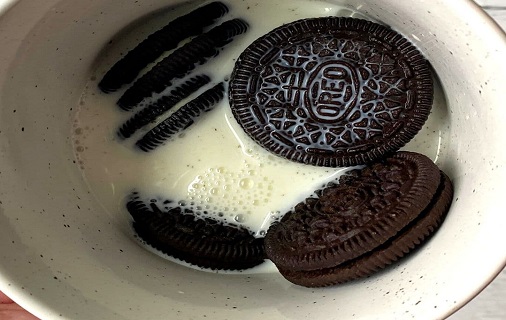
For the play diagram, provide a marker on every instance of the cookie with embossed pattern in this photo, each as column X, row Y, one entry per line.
column 331, row 91
column 373, row 217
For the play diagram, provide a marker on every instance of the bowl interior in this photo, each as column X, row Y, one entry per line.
column 64, row 254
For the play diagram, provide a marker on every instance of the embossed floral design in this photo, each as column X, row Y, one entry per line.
column 341, row 211
column 331, row 93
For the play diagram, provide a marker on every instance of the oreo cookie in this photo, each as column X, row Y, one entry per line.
column 181, row 119
column 162, row 105
column 197, row 240
column 331, row 91
column 167, row 38
column 373, row 217
column 180, row 62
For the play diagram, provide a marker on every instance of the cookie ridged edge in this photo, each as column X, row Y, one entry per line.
column 416, row 200
column 409, row 239
column 240, row 79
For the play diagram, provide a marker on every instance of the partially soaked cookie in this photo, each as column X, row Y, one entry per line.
column 331, row 91
column 197, row 240
column 182, row 61
column 183, row 118
column 371, row 218
column 167, row 38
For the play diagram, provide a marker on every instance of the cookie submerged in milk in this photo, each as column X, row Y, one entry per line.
column 167, row 38
column 200, row 241
column 182, row 61
column 331, row 91
column 373, row 217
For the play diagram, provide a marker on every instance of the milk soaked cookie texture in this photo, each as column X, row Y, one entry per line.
column 182, row 118
column 128, row 68
column 176, row 136
column 201, row 241
column 180, row 62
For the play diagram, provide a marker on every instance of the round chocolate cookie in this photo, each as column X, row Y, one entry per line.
column 370, row 219
column 407, row 240
column 200, row 241
column 331, row 91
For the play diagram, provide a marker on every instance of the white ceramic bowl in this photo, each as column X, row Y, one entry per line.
column 63, row 257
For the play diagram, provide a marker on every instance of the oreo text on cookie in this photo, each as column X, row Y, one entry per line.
column 331, row 91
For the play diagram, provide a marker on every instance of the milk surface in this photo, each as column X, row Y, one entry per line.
column 212, row 167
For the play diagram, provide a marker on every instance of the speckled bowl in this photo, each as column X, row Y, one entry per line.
column 61, row 256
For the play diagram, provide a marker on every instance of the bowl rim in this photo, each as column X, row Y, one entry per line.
column 31, row 304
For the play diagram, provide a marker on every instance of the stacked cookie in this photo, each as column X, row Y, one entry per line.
column 343, row 92
column 369, row 220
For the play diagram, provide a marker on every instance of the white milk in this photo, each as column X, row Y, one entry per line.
column 213, row 166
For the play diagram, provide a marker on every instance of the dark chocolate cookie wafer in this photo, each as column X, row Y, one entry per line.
column 162, row 105
column 331, row 91
column 411, row 237
column 366, row 210
column 126, row 70
column 180, row 62
column 196, row 240
column 182, row 118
